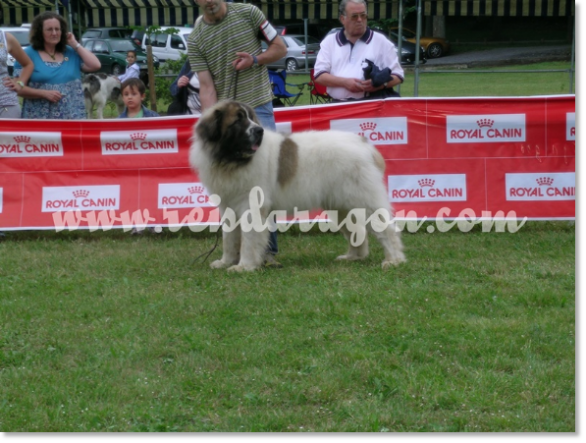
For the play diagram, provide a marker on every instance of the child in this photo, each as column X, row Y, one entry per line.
column 132, row 69
column 133, row 93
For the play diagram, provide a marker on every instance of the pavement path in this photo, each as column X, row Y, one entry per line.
column 501, row 56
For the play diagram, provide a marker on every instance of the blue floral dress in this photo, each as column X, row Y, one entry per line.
column 64, row 77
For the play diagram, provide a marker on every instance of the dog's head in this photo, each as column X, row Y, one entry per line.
column 91, row 85
column 231, row 132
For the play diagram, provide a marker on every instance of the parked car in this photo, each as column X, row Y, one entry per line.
column 296, row 50
column 106, row 33
column 315, row 30
column 407, row 48
column 112, row 54
column 168, row 46
column 21, row 34
column 434, row 47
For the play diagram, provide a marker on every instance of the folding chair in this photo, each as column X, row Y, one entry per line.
column 318, row 93
column 279, row 84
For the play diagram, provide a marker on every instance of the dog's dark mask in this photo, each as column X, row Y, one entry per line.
column 230, row 130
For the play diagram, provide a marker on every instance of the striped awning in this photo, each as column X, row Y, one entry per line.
column 501, row 8
column 140, row 12
column 184, row 12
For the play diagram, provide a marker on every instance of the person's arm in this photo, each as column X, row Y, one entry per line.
column 90, row 62
column 50, row 95
column 275, row 51
column 207, row 90
column 333, row 81
column 21, row 57
column 184, row 72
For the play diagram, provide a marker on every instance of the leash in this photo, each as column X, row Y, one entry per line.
column 233, row 84
column 207, row 254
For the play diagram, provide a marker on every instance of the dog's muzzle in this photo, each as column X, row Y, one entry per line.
column 256, row 133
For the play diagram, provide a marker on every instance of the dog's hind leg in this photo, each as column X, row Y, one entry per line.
column 384, row 229
column 356, row 237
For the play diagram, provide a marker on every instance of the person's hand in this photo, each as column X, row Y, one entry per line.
column 71, row 40
column 354, row 84
column 53, row 96
column 11, row 84
column 243, row 61
column 183, row 81
column 368, row 87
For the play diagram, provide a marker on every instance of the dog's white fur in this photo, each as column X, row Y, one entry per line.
column 97, row 90
column 334, row 170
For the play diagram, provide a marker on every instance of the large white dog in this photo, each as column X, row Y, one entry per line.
column 97, row 90
column 331, row 170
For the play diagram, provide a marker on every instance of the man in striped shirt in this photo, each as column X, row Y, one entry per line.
column 225, row 51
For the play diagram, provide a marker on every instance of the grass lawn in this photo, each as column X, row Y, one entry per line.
column 110, row 332
column 475, row 84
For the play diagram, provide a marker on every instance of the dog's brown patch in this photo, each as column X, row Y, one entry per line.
column 288, row 161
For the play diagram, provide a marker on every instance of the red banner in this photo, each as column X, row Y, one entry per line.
column 446, row 158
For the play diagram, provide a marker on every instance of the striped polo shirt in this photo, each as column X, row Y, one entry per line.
column 213, row 47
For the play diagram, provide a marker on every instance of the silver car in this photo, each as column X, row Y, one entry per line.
column 296, row 52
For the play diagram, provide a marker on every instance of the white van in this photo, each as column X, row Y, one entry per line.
column 168, row 46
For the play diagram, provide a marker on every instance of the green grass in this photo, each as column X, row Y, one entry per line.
column 110, row 332
column 476, row 84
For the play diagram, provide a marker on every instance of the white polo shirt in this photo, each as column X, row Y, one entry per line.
column 339, row 57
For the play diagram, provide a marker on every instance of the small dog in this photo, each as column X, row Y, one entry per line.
column 97, row 90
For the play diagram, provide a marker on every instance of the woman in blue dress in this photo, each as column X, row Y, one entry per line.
column 55, row 90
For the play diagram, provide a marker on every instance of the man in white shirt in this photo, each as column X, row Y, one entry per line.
column 343, row 55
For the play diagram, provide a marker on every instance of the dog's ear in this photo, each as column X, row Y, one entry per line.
column 211, row 127
column 251, row 113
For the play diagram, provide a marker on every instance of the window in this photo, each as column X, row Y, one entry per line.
column 177, row 42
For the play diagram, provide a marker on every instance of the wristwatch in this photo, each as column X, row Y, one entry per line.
column 254, row 60
column 385, row 85
column 77, row 46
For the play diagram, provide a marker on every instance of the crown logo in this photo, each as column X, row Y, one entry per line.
column 485, row 123
column 429, row 182
column 544, row 181
column 22, row 139
column 195, row 189
column 138, row 136
column 81, row 193
column 368, row 126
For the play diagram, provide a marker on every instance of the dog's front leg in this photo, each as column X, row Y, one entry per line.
column 231, row 238
column 252, row 250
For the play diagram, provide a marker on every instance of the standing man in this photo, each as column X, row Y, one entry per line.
column 225, row 51
column 343, row 57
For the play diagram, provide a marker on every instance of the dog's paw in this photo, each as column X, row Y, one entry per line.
column 218, row 264
column 241, row 268
column 349, row 257
column 394, row 262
